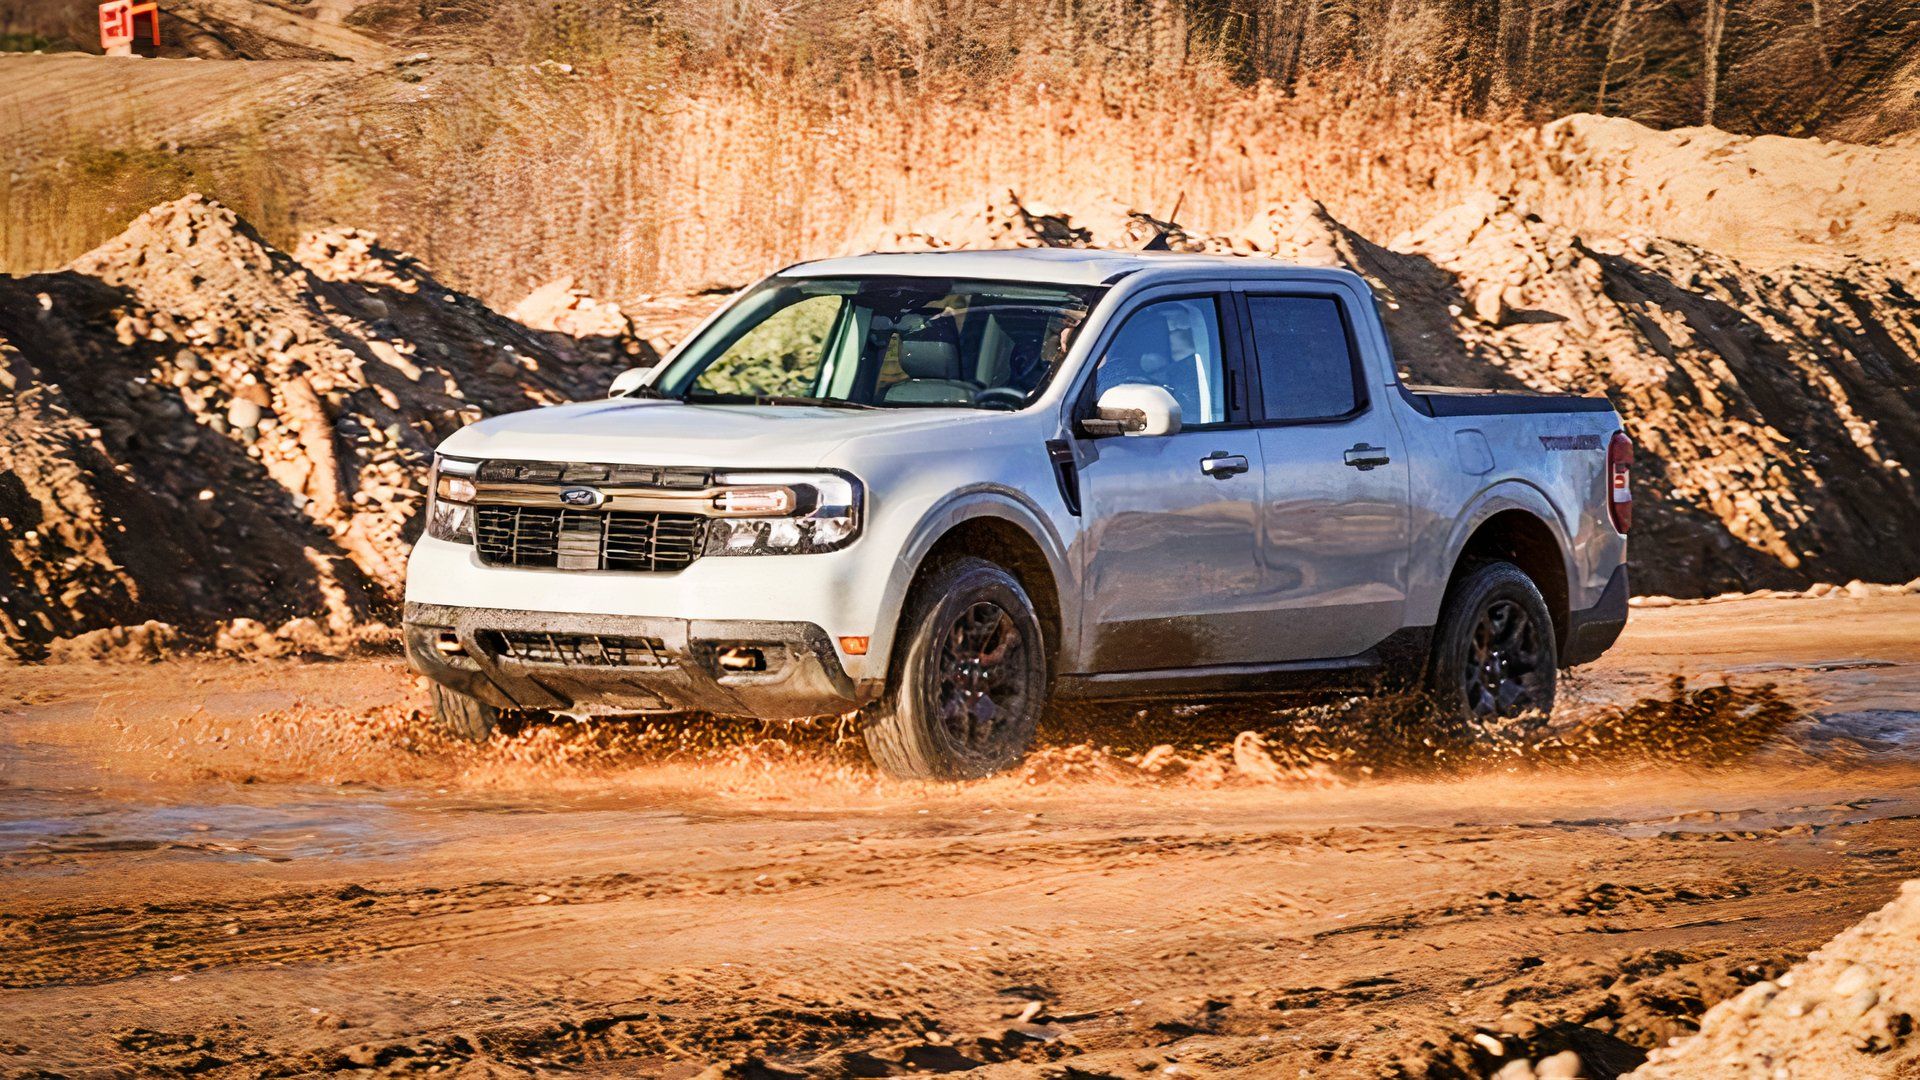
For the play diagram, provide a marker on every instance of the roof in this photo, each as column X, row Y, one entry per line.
column 1058, row 266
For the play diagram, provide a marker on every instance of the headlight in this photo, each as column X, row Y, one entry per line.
column 783, row 513
column 450, row 503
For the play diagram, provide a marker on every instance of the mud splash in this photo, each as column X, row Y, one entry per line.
column 1355, row 741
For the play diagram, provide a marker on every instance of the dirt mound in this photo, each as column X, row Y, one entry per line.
column 201, row 427
column 1768, row 199
column 1847, row 1010
column 563, row 307
column 1775, row 410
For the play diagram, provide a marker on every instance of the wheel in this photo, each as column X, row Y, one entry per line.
column 970, row 678
column 1493, row 652
column 461, row 716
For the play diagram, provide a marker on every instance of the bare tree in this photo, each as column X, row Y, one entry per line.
column 1711, row 33
column 1616, row 37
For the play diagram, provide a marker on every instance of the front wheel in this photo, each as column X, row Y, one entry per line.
column 1493, row 652
column 461, row 716
column 970, row 683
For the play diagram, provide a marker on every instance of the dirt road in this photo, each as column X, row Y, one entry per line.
column 237, row 870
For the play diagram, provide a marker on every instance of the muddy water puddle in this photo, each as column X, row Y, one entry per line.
column 262, row 773
column 297, row 783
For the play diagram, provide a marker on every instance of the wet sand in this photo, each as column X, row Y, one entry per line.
column 227, row 869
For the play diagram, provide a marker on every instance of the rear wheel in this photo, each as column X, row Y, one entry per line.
column 1493, row 652
column 970, row 682
column 461, row 716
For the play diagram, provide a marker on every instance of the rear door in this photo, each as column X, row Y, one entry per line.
column 1335, row 527
column 1172, row 555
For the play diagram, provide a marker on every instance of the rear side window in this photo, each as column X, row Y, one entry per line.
column 1306, row 361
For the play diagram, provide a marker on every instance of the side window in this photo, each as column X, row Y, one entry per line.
column 781, row 356
column 1175, row 344
column 1306, row 362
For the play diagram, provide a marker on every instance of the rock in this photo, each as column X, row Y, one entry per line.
column 560, row 307
column 304, row 635
column 1565, row 1065
column 1490, row 304
column 148, row 641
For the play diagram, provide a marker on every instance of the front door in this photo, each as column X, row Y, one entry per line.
column 1336, row 506
column 1173, row 559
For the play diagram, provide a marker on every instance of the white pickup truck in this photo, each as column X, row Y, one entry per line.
column 948, row 489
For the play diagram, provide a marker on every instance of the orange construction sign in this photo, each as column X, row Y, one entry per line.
column 119, row 23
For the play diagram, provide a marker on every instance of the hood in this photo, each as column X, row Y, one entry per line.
column 645, row 431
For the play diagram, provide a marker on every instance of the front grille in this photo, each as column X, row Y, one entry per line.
column 586, row 539
column 585, row 650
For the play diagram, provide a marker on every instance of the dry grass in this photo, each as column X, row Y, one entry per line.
column 669, row 144
column 637, row 183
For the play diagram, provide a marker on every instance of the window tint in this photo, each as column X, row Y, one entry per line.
column 1306, row 366
column 1175, row 344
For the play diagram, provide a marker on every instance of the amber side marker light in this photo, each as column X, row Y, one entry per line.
column 854, row 646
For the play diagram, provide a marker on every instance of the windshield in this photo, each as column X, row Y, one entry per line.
column 882, row 342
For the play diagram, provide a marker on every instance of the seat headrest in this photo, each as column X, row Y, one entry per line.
column 931, row 352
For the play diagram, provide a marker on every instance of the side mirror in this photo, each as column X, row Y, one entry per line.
column 1134, row 409
column 629, row 380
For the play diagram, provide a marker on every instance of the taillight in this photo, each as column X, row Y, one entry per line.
column 1619, row 481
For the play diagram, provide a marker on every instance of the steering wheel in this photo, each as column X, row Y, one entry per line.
column 1010, row 396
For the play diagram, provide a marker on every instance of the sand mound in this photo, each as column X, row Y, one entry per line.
column 201, row 427
column 1847, row 1010
column 1776, row 410
column 1765, row 199
column 563, row 307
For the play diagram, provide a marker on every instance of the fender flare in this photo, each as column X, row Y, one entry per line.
column 1498, row 497
column 974, row 502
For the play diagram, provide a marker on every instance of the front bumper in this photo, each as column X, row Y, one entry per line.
column 628, row 663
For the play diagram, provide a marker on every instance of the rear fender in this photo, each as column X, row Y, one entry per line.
column 1423, row 609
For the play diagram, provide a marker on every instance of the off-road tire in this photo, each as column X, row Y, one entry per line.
column 942, row 681
column 1494, row 653
column 461, row 716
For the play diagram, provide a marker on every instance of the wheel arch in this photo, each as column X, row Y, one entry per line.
column 996, row 525
column 1516, row 524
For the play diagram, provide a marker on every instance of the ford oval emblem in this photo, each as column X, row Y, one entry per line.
column 583, row 496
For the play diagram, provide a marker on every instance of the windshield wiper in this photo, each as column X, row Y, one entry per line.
column 830, row 403
column 774, row 399
column 647, row 391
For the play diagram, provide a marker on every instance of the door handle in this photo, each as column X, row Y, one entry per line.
column 1364, row 457
column 1221, row 464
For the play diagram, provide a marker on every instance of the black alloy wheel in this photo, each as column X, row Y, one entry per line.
column 1494, row 652
column 981, row 682
column 968, row 680
column 1502, row 677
